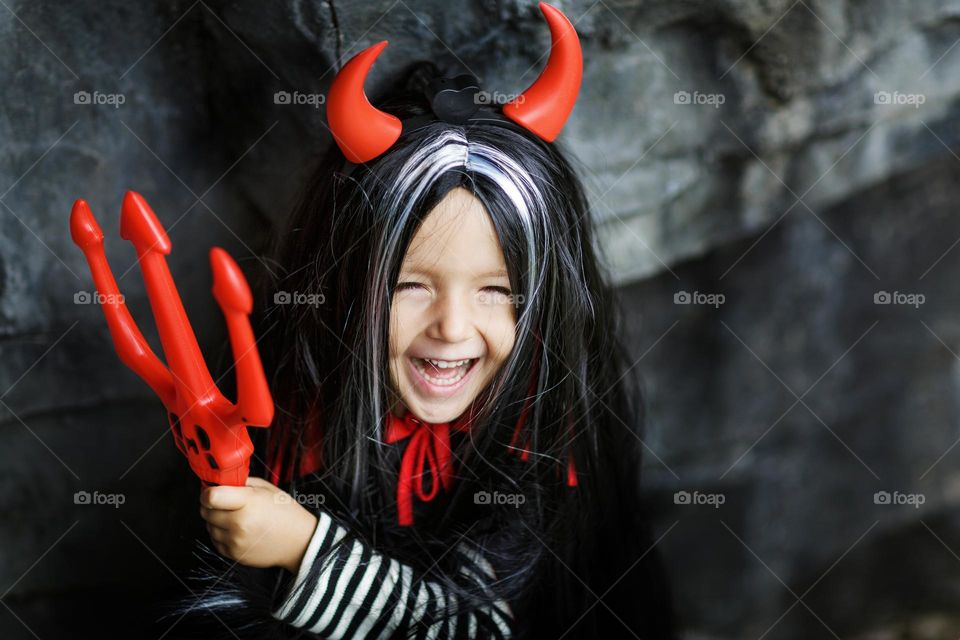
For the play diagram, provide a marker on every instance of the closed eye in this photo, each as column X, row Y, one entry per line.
column 410, row 286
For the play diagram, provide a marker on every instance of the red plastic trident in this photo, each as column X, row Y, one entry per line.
column 208, row 429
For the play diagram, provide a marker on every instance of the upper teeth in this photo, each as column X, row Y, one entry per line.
column 447, row 364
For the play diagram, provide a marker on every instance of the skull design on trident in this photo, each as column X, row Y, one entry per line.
column 207, row 428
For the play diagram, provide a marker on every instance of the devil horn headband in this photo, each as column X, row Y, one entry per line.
column 363, row 132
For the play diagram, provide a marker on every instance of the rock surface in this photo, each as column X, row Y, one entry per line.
column 797, row 157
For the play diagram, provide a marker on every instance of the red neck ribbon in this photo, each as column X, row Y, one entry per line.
column 429, row 444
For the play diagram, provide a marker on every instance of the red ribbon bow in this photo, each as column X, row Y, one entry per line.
column 429, row 443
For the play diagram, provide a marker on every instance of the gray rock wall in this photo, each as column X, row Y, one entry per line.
column 795, row 157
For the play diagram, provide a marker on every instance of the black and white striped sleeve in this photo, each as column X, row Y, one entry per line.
column 360, row 593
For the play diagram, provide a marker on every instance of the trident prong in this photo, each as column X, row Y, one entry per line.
column 131, row 346
column 254, row 404
column 139, row 225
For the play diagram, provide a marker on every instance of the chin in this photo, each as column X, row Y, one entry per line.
column 437, row 410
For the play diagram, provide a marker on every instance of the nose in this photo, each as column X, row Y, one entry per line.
column 451, row 319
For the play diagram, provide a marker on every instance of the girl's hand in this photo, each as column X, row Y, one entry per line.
column 258, row 525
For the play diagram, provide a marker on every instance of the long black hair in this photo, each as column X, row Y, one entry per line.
column 566, row 394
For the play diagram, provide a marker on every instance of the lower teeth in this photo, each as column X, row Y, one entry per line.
column 441, row 382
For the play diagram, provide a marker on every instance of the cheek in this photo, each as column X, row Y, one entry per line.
column 408, row 319
column 500, row 334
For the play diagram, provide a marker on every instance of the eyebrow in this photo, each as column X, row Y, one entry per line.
column 496, row 273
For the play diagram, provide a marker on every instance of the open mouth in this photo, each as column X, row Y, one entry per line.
column 442, row 377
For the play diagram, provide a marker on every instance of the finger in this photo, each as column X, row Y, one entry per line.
column 223, row 497
column 220, row 518
column 217, row 535
column 260, row 482
column 221, row 549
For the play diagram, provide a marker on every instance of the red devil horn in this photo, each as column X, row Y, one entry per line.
column 361, row 130
column 544, row 107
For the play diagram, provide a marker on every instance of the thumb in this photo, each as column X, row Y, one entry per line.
column 225, row 497
column 261, row 483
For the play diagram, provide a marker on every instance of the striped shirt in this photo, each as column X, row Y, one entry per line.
column 360, row 593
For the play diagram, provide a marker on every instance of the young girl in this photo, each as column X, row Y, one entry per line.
column 455, row 452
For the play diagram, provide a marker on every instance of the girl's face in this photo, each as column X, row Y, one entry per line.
column 452, row 320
